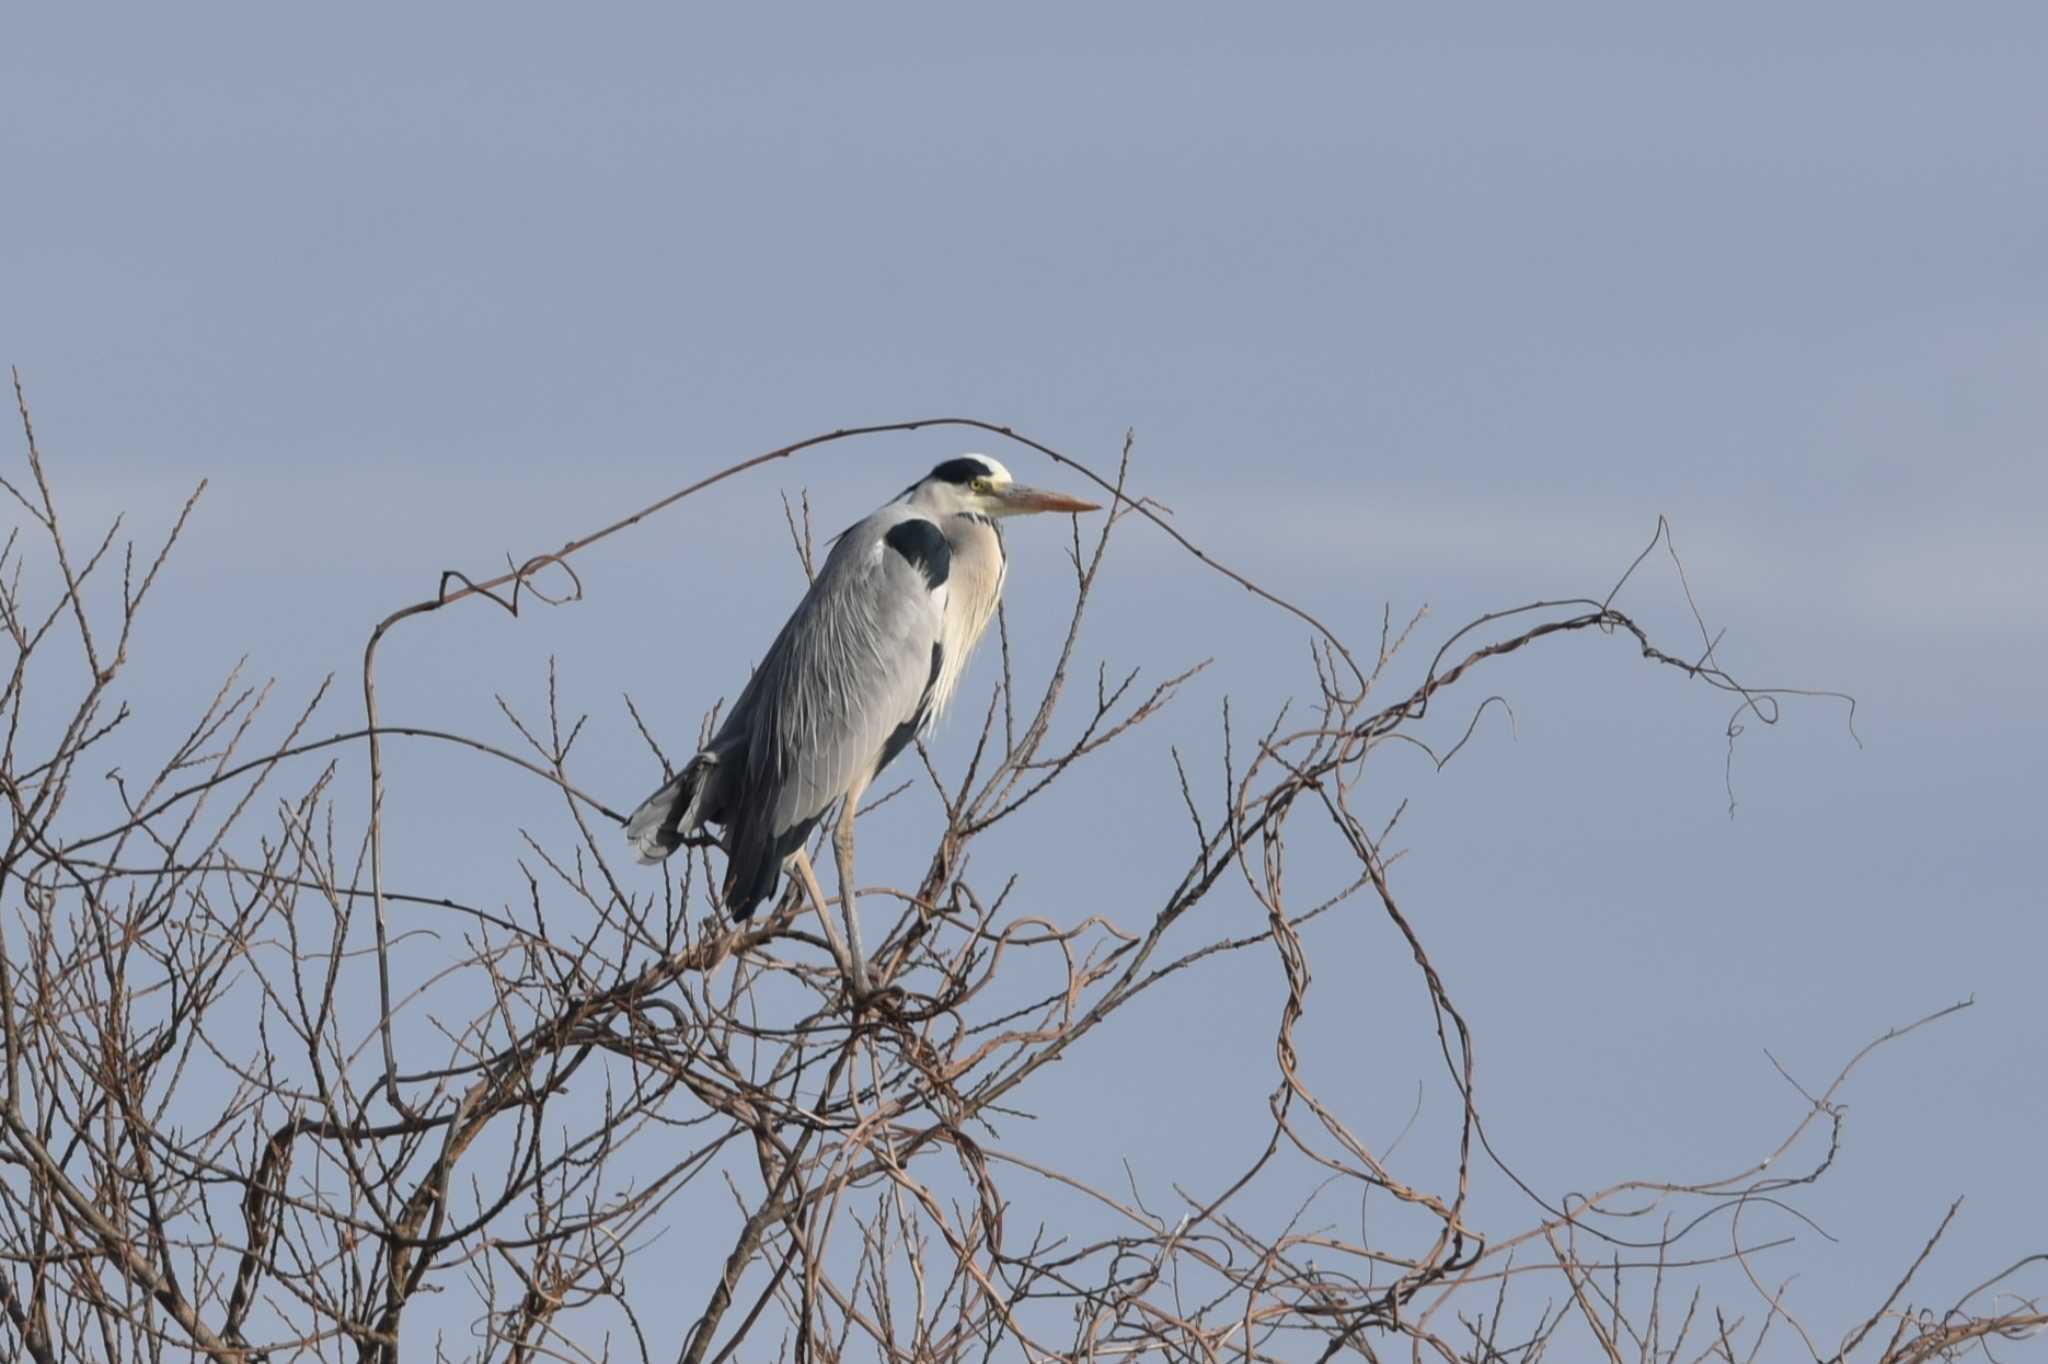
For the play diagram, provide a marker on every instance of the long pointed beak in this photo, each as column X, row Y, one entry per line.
column 1020, row 499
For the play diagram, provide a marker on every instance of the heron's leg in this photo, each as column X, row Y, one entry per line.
column 801, row 861
column 842, row 843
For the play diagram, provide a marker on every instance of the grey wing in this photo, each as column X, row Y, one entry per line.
column 845, row 685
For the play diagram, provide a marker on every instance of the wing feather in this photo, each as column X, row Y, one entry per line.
column 853, row 665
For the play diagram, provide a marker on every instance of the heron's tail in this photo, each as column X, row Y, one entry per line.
column 673, row 813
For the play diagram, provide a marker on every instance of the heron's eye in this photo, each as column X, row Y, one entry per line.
column 980, row 485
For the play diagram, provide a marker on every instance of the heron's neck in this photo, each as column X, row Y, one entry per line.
column 974, row 586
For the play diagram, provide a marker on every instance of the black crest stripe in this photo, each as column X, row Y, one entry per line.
column 963, row 470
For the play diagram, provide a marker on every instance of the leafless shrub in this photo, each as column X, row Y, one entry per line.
column 202, row 1153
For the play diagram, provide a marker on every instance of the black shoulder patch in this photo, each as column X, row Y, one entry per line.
column 963, row 470
column 924, row 546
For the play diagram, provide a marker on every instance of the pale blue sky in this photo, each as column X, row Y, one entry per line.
column 1403, row 309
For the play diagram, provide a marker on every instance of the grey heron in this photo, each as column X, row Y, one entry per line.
column 864, row 666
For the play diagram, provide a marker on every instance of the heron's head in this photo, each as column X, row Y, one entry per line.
column 977, row 485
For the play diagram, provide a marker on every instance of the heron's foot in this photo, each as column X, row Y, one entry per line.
column 885, row 1001
column 860, row 987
